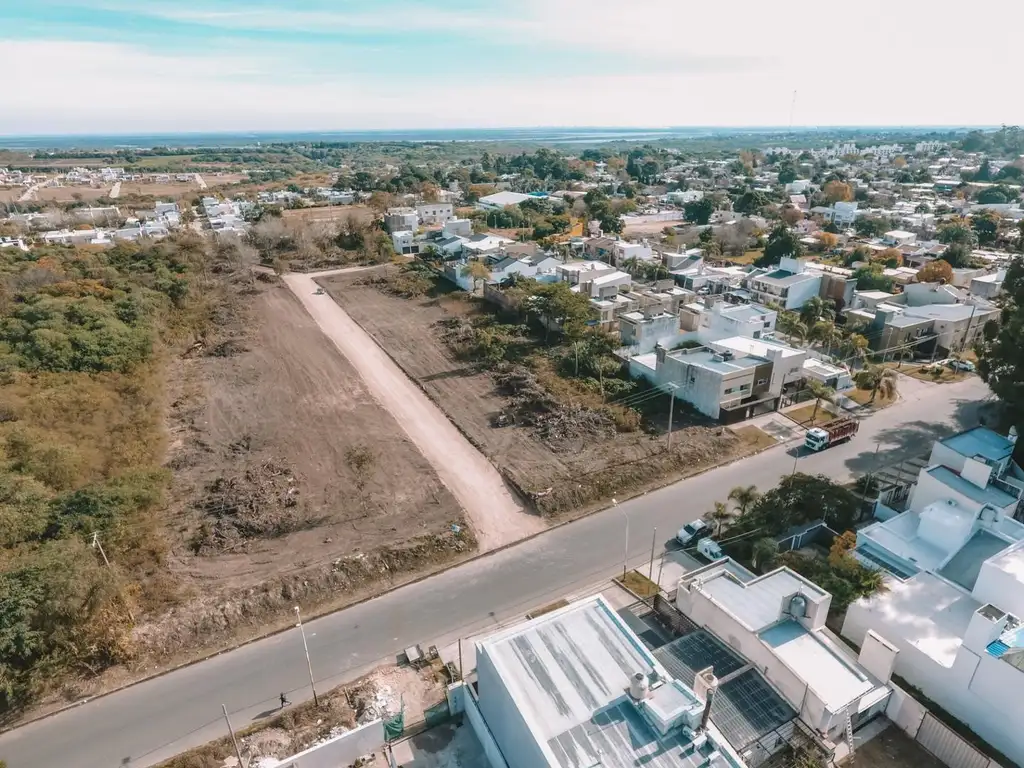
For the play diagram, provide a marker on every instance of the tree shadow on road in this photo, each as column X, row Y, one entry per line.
column 915, row 438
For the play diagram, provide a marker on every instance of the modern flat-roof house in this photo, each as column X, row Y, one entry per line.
column 401, row 219
column 576, row 688
column 499, row 200
column 790, row 285
column 777, row 622
column 435, row 213
column 954, row 599
column 723, row 320
column 603, row 284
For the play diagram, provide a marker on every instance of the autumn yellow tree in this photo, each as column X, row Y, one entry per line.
column 891, row 257
column 935, row 271
column 828, row 240
column 838, row 192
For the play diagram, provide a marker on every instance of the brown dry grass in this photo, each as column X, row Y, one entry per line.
column 70, row 194
column 11, row 194
column 357, row 213
column 638, row 584
column 572, row 477
column 173, row 190
column 755, row 438
column 803, row 416
column 863, row 397
column 368, row 508
column 222, row 179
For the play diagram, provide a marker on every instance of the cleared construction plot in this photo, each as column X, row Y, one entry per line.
column 291, row 482
column 558, row 476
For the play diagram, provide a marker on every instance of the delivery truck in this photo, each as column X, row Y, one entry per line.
column 820, row 438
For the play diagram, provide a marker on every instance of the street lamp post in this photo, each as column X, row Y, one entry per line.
column 309, row 664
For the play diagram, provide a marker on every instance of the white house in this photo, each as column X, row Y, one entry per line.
column 723, row 320
column 645, row 329
column 576, row 687
column 405, row 242
column 898, row 238
column 954, row 602
column 401, row 219
column 777, row 622
column 792, row 284
column 435, row 213
column 458, row 227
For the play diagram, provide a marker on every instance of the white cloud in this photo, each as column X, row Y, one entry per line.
column 75, row 87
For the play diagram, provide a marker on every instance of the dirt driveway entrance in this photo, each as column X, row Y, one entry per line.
column 495, row 514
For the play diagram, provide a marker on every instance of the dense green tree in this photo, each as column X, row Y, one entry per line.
column 871, row 226
column 699, row 211
column 986, row 227
column 1001, row 358
column 871, row 278
column 994, row 196
column 801, row 498
column 957, row 254
column 787, row 172
column 751, row 201
column 781, row 242
column 956, row 230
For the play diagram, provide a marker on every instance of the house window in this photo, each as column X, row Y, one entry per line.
column 762, row 382
column 767, row 325
column 744, row 387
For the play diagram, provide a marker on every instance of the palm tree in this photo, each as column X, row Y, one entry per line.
column 718, row 516
column 817, row 309
column 820, row 392
column 744, row 496
column 764, row 553
column 797, row 333
column 887, row 384
column 879, row 380
column 825, row 333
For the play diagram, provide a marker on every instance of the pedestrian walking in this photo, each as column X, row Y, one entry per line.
column 284, row 701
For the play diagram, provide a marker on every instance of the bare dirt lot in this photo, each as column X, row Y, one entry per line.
column 221, row 179
column 894, row 749
column 11, row 194
column 559, row 478
column 172, row 190
column 290, row 481
column 358, row 213
column 68, row 194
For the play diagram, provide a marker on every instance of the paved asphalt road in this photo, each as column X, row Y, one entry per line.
column 156, row 719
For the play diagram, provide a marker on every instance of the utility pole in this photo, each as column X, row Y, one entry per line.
column 96, row 545
column 625, row 551
column 671, row 407
column 238, row 752
column 654, row 539
column 309, row 664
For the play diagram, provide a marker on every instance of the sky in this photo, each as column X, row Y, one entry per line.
column 130, row 66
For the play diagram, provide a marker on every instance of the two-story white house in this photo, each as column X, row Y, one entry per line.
column 434, row 213
column 954, row 598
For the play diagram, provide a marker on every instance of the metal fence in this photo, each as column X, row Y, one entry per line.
column 948, row 746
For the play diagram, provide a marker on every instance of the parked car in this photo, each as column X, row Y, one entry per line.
column 710, row 549
column 962, row 365
column 691, row 533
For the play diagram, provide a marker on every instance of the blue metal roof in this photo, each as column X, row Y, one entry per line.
column 980, row 441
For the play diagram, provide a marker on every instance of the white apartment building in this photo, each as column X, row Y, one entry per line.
column 954, row 598
column 790, row 285
column 404, row 242
column 435, row 213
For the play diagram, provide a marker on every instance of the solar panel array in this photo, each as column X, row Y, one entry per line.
column 746, row 708
column 689, row 654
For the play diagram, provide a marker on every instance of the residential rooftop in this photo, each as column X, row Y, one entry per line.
column 756, row 603
column 980, row 441
column 784, row 277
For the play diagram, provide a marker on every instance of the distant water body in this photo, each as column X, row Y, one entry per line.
column 510, row 135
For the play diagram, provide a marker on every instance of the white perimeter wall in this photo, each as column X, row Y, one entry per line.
column 344, row 750
column 984, row 692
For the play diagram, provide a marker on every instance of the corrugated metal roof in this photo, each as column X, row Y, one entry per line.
column 564, row 667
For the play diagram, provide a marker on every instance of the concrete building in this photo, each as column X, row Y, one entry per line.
column 435, row 213
column 603, row 284
column 644, row 330
column 401, row 220
column 791, row 285
column 616, row 251
column 576, row 687
column 988, row 286
column 723, row 320
column 458, row 228
column 777, row 622
column 954, row 598
column 405, row 242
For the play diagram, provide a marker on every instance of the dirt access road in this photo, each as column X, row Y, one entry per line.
column 496, row 515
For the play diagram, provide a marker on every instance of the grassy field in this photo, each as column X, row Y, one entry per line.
column 863, row 397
